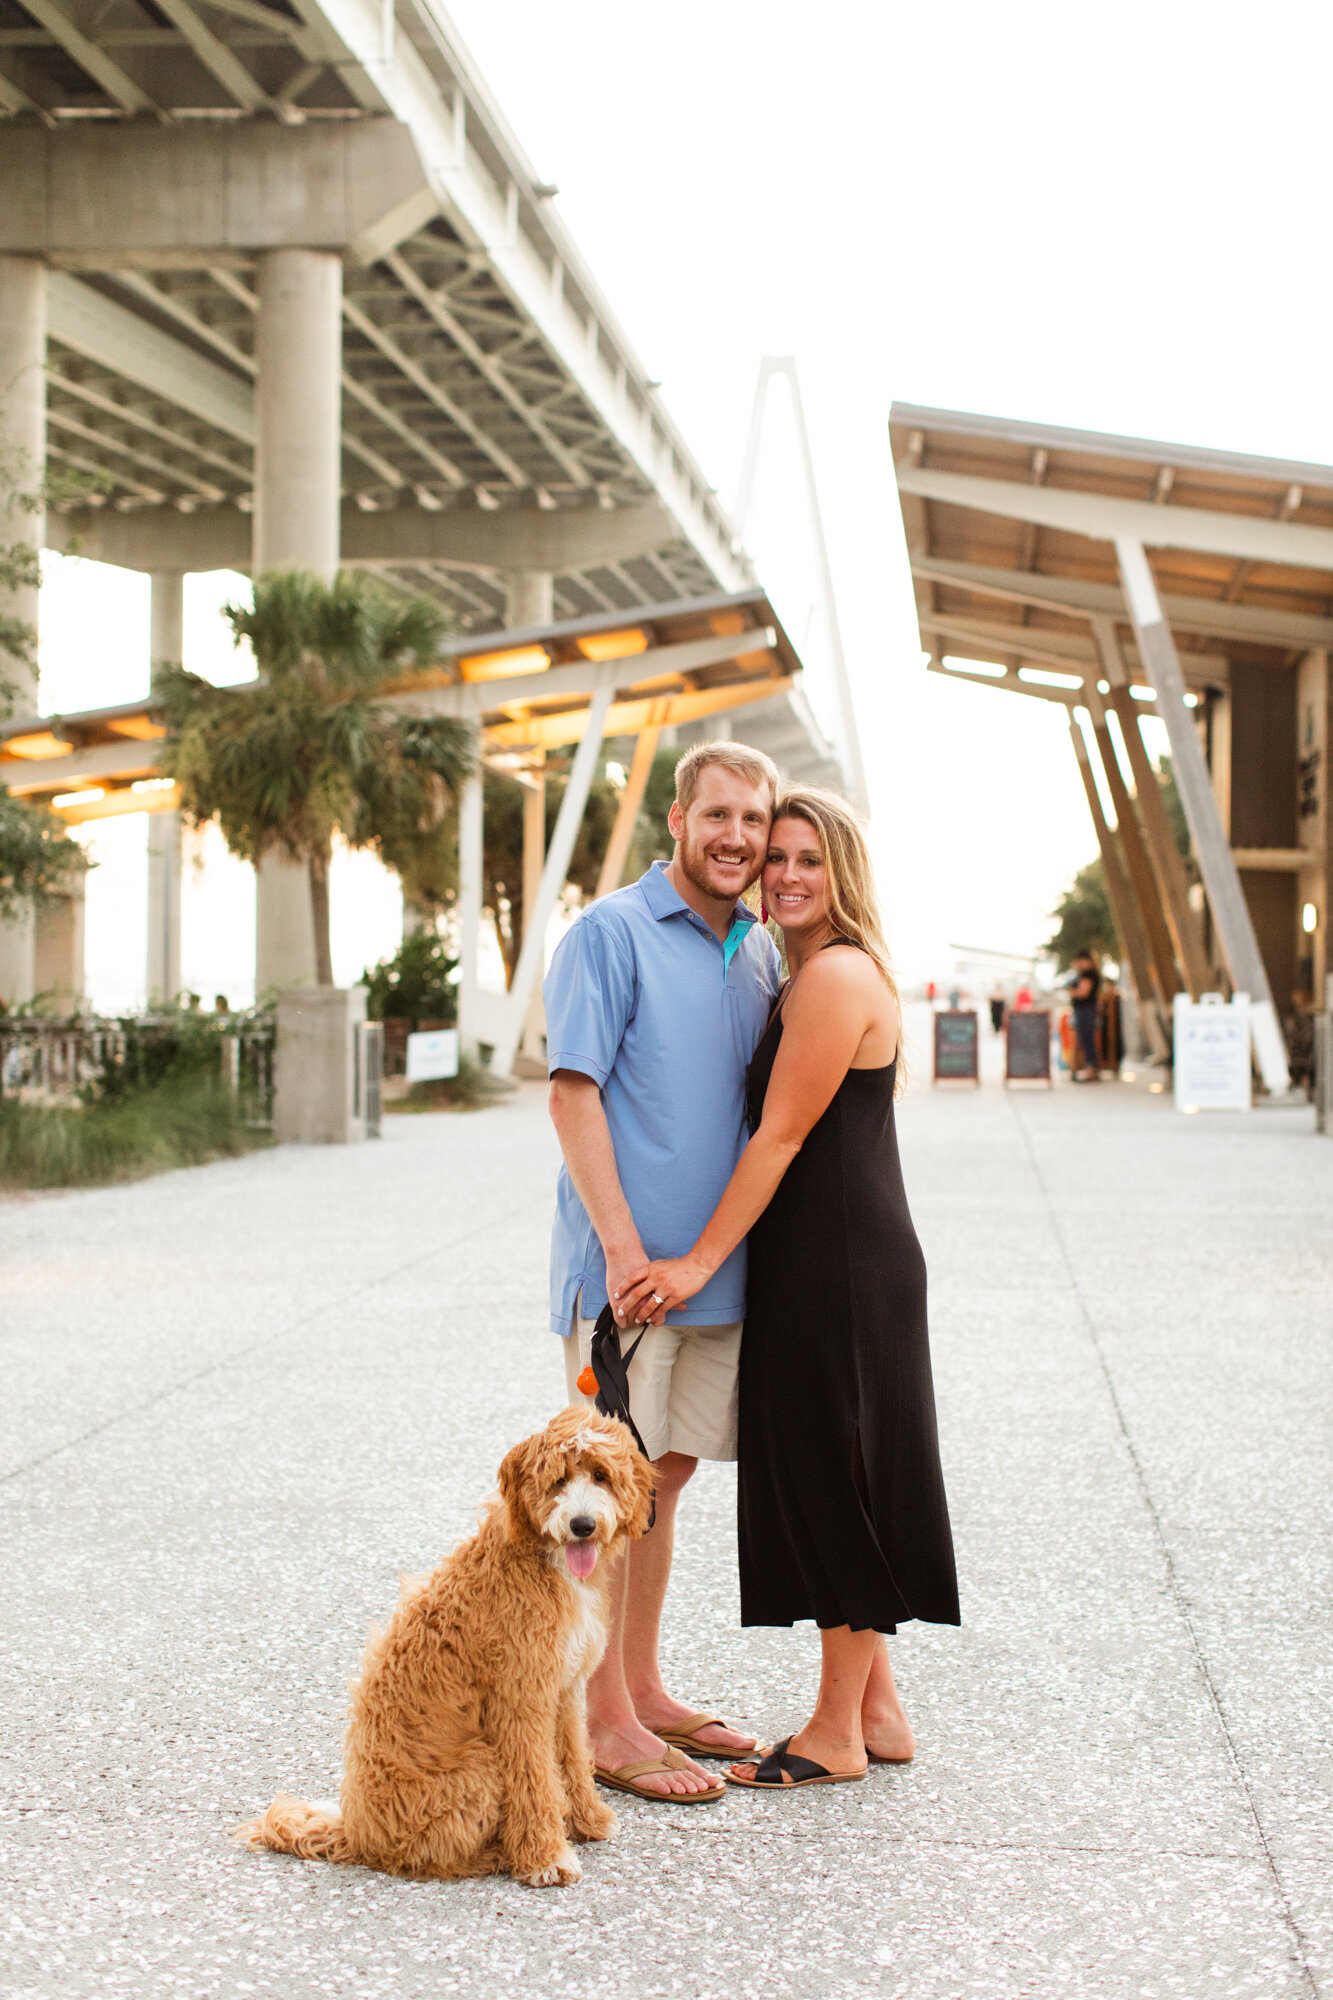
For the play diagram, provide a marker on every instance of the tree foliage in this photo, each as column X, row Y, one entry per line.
column 1083, row 919
column 416, row 984
column 311, row 748
column 37, row 856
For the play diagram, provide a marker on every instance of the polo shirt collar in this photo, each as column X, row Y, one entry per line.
column 665, row 901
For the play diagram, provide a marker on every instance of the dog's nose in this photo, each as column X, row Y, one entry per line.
column 583, row 1525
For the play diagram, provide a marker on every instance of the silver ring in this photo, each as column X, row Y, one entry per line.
column 658, row 1296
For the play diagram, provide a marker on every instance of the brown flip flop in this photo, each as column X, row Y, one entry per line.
column 686, row 1737
column 622, row 1780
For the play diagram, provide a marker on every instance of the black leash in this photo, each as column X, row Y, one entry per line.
column 611, row 1368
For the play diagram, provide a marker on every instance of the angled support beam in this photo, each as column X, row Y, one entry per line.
column 1221, row 880
column 529, row 967
column 1141, row 881
column 106, row 74
column 1158, row 833
column 1080, row 600
column 216, row 57
column 1120, row 895
column 1102, row 518
column 627, row 813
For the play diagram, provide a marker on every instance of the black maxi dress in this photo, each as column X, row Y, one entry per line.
column 843, row 1516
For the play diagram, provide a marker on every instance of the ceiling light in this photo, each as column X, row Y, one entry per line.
column 500, row 666
column 153, row 785
column 1309, row 919
column 141, row 728
column 87, row 798
column 612, row 645
column 40, row 744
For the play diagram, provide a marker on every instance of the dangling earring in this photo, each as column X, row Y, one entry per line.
column 763, row 910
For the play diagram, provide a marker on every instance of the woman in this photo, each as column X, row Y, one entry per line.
column 843, row 1517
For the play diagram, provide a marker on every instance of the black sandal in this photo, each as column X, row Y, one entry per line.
column 800, row 1770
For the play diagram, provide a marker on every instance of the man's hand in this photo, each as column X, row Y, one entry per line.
column 621, row 1261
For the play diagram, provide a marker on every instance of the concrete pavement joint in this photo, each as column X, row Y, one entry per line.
column 1299, row 1943
column 265, row 1343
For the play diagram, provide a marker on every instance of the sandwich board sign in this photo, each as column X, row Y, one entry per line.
column 431, row 1054
column 1212, row 1052
column 956, row 1046
column 1027, row 1046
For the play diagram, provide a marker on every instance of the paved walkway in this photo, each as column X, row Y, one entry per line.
column 239, row 1400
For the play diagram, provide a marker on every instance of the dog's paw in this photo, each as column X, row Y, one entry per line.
column 598, row 1823
column 563, row 1872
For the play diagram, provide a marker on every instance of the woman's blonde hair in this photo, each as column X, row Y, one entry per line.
column 849, row 877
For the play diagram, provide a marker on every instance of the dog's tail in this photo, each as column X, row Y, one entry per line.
column 290, row 1826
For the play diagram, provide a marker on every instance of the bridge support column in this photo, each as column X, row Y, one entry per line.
column 529, row 597
column 298, row 406
column 23, row 431
column 471, row 833
column 164, row 829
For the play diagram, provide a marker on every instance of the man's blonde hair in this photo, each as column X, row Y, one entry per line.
column 738, row 757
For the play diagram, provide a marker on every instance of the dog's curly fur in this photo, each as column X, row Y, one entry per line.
column 467, row 1748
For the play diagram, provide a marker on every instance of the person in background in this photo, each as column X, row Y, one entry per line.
column 997, row 1008
column 1083, row 990
column 1023, row 997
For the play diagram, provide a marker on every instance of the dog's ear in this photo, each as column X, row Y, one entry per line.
column 516, row 1473
column 632, row 1484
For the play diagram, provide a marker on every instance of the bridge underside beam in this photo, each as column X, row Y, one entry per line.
column 510, row 539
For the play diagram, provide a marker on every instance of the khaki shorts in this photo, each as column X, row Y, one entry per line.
column 682, row 1385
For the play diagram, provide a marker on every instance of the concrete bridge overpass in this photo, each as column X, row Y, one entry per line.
column 281, row 281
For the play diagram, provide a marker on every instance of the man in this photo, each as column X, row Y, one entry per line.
column 655, row 1002
column 1083, row 989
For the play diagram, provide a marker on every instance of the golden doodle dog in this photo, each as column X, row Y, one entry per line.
column 467, row 1749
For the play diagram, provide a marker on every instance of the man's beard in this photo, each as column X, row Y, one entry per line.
column 693, row 862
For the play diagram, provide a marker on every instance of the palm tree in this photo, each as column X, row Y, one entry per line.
column 37, row 856
column 313, row 746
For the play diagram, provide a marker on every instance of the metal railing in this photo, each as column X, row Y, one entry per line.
column 52, row 1061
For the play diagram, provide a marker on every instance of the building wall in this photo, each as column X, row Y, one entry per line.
column 1263, row 756
column 1263, row 810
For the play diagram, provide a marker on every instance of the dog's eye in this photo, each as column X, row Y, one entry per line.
column 599, row 1476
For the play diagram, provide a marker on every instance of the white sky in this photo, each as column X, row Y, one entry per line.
column 1113, row 218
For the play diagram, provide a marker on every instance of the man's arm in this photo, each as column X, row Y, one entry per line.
column 585, row 1140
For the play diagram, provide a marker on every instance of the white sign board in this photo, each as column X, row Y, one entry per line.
column 1212, row 1052
column 432, row 1054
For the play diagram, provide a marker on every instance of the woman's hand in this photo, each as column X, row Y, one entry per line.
column 655, row 1289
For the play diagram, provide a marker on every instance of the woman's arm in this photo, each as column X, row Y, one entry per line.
column 824, row 1022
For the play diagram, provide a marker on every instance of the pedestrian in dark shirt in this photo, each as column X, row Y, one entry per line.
column 1083, row 990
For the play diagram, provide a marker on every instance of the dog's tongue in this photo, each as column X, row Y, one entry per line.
column 581, row 1557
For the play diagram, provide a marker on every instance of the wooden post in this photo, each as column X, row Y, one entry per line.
column 1154, row 819
column 1231, row 915
column 1142, row 881
column 1120, row 894
column 631, row 799
column 556, row 868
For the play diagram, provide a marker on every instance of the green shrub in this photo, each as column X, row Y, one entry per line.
column 178, row 1122
column 416, row 984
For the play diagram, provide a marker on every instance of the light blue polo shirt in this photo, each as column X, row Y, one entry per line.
column 642, row 997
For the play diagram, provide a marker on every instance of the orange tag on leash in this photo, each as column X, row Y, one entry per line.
column 587, row 1383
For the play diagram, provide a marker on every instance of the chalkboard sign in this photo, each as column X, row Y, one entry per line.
column 1027, row 1046
column 956, row 1046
